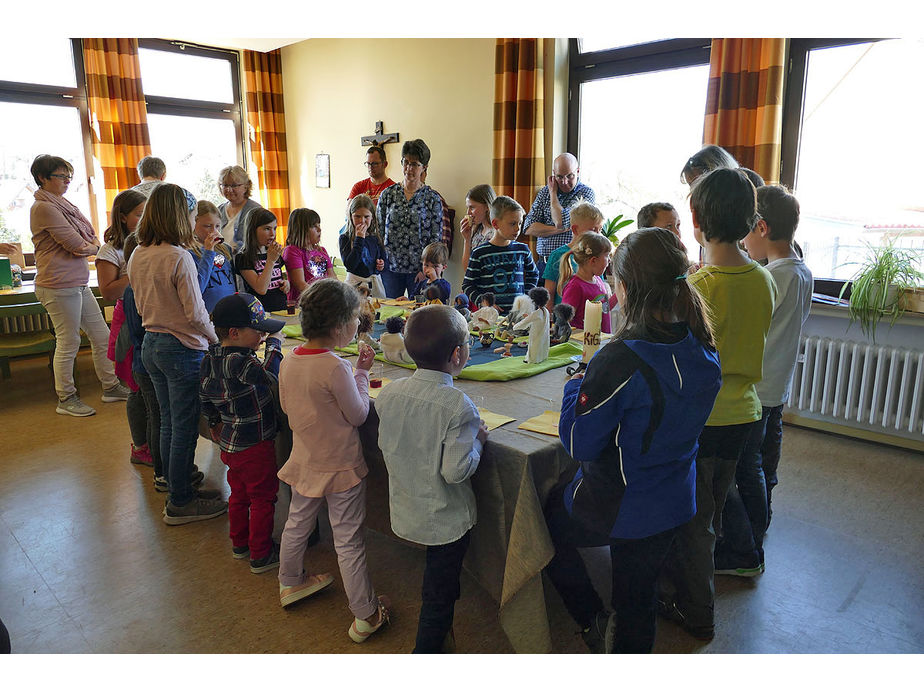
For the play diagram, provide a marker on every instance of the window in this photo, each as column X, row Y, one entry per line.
column 636, row 114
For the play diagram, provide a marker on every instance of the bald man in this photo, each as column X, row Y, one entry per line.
column 549, row 219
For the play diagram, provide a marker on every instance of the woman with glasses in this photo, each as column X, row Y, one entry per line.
column 64, row 238
column 236, row 186
column 409, row 216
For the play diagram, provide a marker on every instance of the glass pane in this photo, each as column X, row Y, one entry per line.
column 28, row 131
column 856, row 123
column 636, row 134
column 204, row 79
column 194, row 150
column 608, row 42
column 49, row 61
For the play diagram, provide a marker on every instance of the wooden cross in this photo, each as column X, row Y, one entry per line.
column 378, row 138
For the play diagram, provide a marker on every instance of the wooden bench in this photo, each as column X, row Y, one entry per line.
column 14, row 344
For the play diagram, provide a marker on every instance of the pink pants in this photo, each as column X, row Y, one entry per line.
column 347, row 512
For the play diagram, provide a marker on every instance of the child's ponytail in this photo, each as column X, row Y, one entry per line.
column 589, row 244
column 564, row 271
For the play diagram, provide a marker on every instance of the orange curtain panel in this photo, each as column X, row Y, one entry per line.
column 744, row 103
column 118, row 117
column 266, row 132
column 519, row 154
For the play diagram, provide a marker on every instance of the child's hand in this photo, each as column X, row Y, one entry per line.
column 577, row 376
column 366, row 357
column 482, row 434
column 465, row 227
column 361, row 229
column 420, row 277
column 284, row 286
column 212, row 241
column 380, row 264
column 277, row 335
column 273, row 251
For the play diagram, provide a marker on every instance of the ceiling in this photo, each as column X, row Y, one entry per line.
column 253, row 44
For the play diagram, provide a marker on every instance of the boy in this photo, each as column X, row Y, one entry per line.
column 434, row 259
column 431, row 438
column 660, row 215
column 748, row 511
column 584, row 217
column 740, row 295
column 502, row 266
column 237, row 400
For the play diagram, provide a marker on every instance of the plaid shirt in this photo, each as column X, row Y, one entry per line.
column 236, row 391
column 541, row 212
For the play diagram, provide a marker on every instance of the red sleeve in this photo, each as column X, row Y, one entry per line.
column 358, row 189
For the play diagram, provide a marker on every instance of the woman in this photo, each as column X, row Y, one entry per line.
column 236, row 186
column 475, row 226
column 705, row 160
column 409, row 216
column 64, row 238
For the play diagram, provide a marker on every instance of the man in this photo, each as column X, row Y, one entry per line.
column 378, row 179
column 549, row 219
column 152, row 172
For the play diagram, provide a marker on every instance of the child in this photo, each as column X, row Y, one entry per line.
column 747, row 511
column 661, row 215
column 177, row 333
column 362, row 248
column 739, row 295
column 486, row 316
column 591, row 252
column 431, row 439
column 213, row 257
column 434, row 259
column 632, row 423
column 584, row 217
column 259, row 262
column 538, row 324
column 393, row 341
column 306, row 261
column 502, row 266
column 319, row 391
column 237, row 401
column 475, row 226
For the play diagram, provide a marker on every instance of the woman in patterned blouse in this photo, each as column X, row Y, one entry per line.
column 409, row 214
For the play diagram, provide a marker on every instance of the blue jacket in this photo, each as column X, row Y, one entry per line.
column 633, row 423
column 216, row 277
column 359, row 258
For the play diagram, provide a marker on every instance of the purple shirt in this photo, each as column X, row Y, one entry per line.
column 577, row 291
column 314, row 262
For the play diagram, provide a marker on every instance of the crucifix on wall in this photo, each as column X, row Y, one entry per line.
column 379, row 138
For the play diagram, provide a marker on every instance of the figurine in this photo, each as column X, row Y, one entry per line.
column 538, row 324
column 366, row 321
column 486, row 315
column 522, row 306
column 393, row 341
column 487, row 339
column 504, row 351
column 461, row 305
column 561, row 323
column 433, row 296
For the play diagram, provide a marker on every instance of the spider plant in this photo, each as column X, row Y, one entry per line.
column 877, row 286
column 612, row 226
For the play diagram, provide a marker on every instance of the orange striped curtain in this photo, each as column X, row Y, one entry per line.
column 744, row 104
column 519, row 153
column 266, row 126
column 118, row 117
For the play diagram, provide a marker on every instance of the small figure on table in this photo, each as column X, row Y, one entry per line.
column 364, row 331
column 393, row 341
column 486, row 316
column 561, row 322
column 432, row 296
column 538, row 324
column 461, row 305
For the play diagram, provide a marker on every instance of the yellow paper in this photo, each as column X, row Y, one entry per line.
column 374, row 391
column 402, row 302
column 546, row 422
column 493, row 420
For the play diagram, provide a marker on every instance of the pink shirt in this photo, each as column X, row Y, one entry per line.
column 325, row 402
column 577, row 291
column 314, row 262
column 61, row 251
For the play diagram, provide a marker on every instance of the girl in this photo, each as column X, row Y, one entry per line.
column 306, row 261
column 319, row 391
column 632, row 422
column 211, row 255
column 475, row 226
column 592, row 255
column 260, row 261
column 177, row 333
column 362, row 247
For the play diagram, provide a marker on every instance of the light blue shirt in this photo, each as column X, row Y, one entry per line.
column 427, row 432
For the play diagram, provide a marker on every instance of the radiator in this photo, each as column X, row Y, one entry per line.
column 25, row 323
column 874, row 387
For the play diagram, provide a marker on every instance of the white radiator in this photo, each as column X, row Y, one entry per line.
column 874, row 387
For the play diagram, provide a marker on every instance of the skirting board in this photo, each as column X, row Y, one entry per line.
column 850, row 432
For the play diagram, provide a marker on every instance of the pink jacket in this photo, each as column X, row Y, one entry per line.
column 63, row 239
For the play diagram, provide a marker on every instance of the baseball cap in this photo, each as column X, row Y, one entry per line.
column 244, row 310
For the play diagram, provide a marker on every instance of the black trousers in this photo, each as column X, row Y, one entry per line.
column 441, row 590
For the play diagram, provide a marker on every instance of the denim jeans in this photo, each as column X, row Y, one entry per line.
column 398, row 283
column 770, row 452
column 152, row 412
column 174, row 370
column 440, row 591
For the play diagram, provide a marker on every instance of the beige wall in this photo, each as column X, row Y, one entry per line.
column 439, row 90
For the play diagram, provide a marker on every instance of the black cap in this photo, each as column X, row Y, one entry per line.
column 244, row 310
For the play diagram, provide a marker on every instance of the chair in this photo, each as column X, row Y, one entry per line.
column 23, row 343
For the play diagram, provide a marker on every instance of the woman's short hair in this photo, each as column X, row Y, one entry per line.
column 236, row 175
column 706, row 159
column 326, row 305
column 46, row 164
column 151, row 166
column 418, row 149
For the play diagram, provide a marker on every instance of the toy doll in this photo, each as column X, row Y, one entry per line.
column 538, row 324
column 486, row 316
column 366, row 321
column 461, row 305
column 561, row 319
column 393, row 341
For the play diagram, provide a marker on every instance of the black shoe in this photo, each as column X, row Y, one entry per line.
column 267, row 563
column 210, row 493
column 597, row 637
column 667, row 608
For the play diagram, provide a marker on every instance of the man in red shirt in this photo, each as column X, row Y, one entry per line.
column 378, row 179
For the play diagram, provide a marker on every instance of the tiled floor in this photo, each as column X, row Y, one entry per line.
column 87, row 565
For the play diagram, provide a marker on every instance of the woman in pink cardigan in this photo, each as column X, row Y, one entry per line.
column 64, row 238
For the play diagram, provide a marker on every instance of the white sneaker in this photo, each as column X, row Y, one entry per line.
column 119, row 393
column 73, row 406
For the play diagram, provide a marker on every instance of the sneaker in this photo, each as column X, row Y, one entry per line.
column 596, row 635
column 360, row 630
column 312, row 584
column 741, row 572
column 195, row 510
column 160, row 484
column 208, row 493
column 141, row 455
column 119, row 393
column 73, row 406
column 240, row 552
column 267, row 563
column 668, row 609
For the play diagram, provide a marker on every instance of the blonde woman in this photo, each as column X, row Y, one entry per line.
column 236, row 186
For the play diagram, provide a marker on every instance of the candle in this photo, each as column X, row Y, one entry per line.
column 593, row 316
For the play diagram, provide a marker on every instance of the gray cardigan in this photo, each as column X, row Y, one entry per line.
column 239, row 227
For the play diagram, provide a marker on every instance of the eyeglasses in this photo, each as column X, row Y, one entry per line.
column 562, row 179
column 370, row 164
column 63, row 176
column 411, row 164
column 231, row 185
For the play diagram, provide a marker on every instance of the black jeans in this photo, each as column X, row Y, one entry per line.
column 635, row 566
column 440, row 591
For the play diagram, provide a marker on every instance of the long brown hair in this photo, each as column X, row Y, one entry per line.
column 652, row 265
column 166, row 218
column 123, row 203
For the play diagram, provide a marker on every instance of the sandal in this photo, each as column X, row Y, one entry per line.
column 360, row 630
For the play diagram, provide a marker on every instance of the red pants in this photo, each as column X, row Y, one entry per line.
column 253, row 482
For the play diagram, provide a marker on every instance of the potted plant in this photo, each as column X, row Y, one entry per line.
column 612, row 226
column 876, row 289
